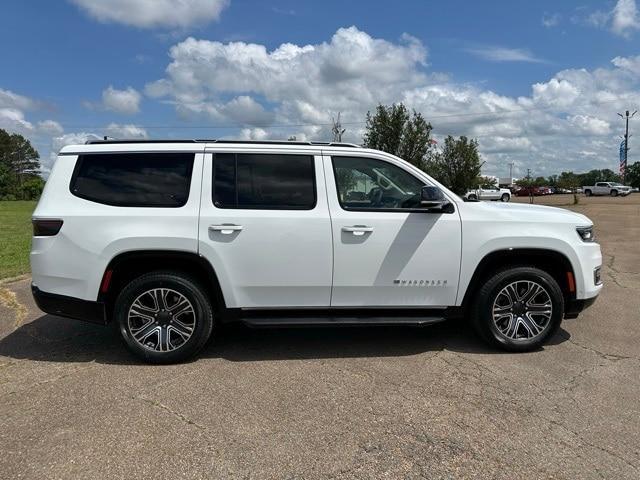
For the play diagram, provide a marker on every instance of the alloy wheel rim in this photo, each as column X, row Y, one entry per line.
column 522, row 310
column 161, row 320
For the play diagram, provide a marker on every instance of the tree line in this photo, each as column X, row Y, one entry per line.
column 390, row 128
column 572, row 180
column 457, row 163
column 19, row 168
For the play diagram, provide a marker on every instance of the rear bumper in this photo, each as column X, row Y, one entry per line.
column 574, row 307
column 63, row 306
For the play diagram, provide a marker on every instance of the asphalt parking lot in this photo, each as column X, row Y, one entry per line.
column 334, row 403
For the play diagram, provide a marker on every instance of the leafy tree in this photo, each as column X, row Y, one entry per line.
column 593, row 176
column 458, row 164
column 570, row 181
column 19, row 164
column 632, row 175
column 485, row 182
column 394, row 130
column 31, row 188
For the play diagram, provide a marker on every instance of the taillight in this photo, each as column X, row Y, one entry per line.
column 46, row 228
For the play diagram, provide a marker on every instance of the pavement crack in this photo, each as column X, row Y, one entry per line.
column 610, row 262
column 615, row 280
column 180, row 416
column 10, row 300
column 613, row 357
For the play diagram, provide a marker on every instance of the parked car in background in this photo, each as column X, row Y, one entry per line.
column 495, row 193
column 527, row 191
column 607, row 188
column 545, row 190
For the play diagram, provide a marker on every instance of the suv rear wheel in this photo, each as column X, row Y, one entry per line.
column 164, row 317
column 614, row 193
column 518, row 309
column 505, row 197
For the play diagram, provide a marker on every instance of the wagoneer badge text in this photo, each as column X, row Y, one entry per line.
column 420, row 283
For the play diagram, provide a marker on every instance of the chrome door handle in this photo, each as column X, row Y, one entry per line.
column 225, row 229
column 358, row 229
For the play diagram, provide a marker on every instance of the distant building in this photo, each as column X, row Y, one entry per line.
column 506, row 182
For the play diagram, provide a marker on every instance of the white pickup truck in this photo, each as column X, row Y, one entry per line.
column 492, row 193
column 607, row 188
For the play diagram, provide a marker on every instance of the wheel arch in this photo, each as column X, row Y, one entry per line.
column 126, row 266
column 551, row 261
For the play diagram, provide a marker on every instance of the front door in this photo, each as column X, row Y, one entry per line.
column 386, row 251
column 265, row 228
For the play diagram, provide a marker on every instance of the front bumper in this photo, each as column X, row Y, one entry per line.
column 574, row 307
column 63, row 306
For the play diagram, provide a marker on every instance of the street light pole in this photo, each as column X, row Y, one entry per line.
column 626, row 117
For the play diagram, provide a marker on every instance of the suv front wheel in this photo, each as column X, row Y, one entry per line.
column 518, row 309
column 164, row 317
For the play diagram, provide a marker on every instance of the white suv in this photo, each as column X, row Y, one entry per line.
column 169, row 239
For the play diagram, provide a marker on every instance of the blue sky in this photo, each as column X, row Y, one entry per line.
column 538, row 83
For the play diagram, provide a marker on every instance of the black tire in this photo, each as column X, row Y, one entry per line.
column 482, row 309
column 614, row 193
column 505, row 197
column 587, row 193
column 473, row 197
column 177, row 284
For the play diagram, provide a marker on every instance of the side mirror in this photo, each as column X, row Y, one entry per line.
column 432, row 198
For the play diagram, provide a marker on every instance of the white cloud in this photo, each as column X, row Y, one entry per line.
column 550, row 20
column 12, row 120
column 625, row 18
column 50, row 127
column 126, row 131
column 126, row 102
column 504, row 54
column 555, row 93
column 154, row 13
column 622, row 20
column 9, row 99
column 630, row 64
column 586, row 124
column 302, row 86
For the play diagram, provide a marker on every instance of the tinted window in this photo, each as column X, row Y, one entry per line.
column 369, row 184
column 248, row 180
column 134, row 179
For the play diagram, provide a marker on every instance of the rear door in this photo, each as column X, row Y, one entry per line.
column 265, row 227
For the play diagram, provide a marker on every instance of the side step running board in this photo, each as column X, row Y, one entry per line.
column 337, row 321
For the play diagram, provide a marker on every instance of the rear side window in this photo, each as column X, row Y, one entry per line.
column 134, row 179
column 263, row 181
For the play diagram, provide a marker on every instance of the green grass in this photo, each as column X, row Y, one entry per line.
column 15, row 237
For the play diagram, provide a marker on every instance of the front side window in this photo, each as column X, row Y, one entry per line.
column 134, row 179
column 264, row 181
column 370, row 184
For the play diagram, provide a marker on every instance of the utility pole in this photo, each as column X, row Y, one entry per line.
column 511, row 172
column 529, row 186
column 337, row 129
column 626, row 117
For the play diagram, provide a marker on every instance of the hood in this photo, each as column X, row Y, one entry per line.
column 523, row 212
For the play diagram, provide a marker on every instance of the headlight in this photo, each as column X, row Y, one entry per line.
column 586, row 234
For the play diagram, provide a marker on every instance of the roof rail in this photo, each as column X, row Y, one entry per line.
column 257, row 142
